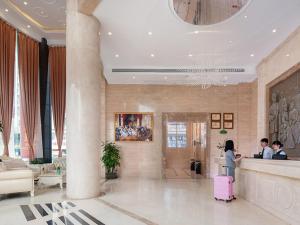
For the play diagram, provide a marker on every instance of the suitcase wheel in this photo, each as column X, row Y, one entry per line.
column 228, row 201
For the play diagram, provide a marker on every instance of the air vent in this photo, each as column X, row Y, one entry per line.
column 202, row 70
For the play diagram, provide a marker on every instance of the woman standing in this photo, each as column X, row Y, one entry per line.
column 230, row 159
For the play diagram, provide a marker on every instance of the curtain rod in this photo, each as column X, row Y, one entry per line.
column 18, row 30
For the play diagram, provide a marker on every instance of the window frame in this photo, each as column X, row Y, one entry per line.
column 177, row 135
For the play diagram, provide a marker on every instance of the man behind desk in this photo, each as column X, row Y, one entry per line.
column 267, row 152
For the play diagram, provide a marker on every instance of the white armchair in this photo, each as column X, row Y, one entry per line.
column 16, row 180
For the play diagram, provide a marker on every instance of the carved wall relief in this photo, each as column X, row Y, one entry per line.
column 284, row 114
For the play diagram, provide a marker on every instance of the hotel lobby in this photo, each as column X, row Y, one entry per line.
column 156, row 112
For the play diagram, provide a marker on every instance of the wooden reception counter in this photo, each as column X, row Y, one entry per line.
column 273, row 185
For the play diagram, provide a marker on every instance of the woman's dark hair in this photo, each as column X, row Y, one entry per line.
column 277, row 143
column 265, row 140
column 229, row 145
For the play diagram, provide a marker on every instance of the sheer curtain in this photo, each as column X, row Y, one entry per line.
column 28, row 56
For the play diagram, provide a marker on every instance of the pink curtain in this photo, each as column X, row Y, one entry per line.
column 29, row 69
column 57, row 64
column 7, row 63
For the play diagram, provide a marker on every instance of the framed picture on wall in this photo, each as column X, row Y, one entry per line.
column 134, row 127
column 215, row 119
column 215, row 116
column 228, row 116
column 215, row 124
column 228, row 120
column 228, row 125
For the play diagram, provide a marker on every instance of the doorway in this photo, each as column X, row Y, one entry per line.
column 185, row 150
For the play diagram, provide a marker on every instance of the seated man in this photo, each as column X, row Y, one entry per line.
column 267, row 152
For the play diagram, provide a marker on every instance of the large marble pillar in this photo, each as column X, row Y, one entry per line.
column 83, row 103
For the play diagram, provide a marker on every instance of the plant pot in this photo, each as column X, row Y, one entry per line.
column 110, row 176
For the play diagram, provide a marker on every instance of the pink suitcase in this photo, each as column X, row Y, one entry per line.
column 223, row 188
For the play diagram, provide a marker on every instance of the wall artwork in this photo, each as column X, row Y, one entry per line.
column 215, row 119
column 228, row 119
column 284, row 114
column 133, row 126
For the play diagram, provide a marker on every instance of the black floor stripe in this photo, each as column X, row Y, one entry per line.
column 65, row 220
column 51, row 222
column 91, row 217
column 27, row 212
column 41, row 210
column 49, row 205
column 71, row 204
column 79, row 219
column 60, row 205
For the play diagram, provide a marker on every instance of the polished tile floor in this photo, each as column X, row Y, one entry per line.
column 134, row 202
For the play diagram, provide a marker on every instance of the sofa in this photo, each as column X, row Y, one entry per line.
column 15, row 180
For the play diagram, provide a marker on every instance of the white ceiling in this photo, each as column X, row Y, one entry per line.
column 226, row 44
column 37, row 18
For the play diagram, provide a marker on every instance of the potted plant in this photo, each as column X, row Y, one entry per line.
column 111, row 159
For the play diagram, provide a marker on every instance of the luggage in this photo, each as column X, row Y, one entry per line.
column 223, row 188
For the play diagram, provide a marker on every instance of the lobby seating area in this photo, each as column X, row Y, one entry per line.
column 134, row 112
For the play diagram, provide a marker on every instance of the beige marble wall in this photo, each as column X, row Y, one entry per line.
column 145, row 159
column 270, row 69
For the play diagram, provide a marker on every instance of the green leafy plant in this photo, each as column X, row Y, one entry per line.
column 223, row 131
column 111, row 159
column 37, row 161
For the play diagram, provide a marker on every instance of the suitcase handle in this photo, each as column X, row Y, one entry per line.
column 227, row 170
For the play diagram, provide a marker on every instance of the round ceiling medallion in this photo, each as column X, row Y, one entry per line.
column 206, row 12
column 40, row 12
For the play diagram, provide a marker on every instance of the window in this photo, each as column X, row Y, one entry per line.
column 14, row 141
column 54, row 141
column 176, row 135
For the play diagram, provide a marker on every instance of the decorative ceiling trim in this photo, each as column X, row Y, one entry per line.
column 35, row 22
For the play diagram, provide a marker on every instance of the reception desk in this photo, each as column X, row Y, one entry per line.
column 273, row 185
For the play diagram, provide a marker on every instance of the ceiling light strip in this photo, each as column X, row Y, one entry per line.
column 203, row 70
column 41, row 26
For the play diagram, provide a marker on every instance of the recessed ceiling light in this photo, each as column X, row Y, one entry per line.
column 152, row 55
column 225, row 78
column 149, row 33
column 133, row 77
column 165, row 77
column 274, row 30
column 117, row 55
column 190, row 55
column 109, row 33
column 25, row 3
column 287, row 55
column 6, row 10
column 252, row 55
column 196, row 32
column 28, row 26
column 230, row 42
column 245, row 16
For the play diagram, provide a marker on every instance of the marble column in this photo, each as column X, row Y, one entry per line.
column 83, row 103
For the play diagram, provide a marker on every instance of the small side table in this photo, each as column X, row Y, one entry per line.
column 52, row 179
